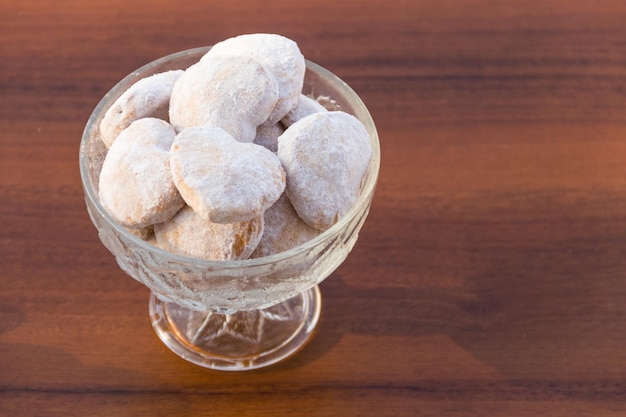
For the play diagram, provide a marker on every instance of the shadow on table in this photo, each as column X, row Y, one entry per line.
column 544, row 300
column 388, row 311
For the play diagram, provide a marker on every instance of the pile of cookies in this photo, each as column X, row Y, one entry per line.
column 228, row 159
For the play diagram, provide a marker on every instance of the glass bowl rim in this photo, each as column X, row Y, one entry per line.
column 363, row 199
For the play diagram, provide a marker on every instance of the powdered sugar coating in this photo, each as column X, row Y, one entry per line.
column 236, row 93
column 148, row 97
column 192, row 235
column 283, row 229
column 267, row 136
column 136, row 185
column 306, row 106
column 280, row 55
column 222, row 179
column 325, row 156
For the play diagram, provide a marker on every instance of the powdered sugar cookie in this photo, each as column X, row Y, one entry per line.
column 236, row 93
column 325, row 156
column 283, row 229
column 280, row 55
column 136, row 185
column 148, row 97
column 192, row 235
column 306, row 106
column 224, row 180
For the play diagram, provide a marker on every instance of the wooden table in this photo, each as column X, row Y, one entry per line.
column 489, row 279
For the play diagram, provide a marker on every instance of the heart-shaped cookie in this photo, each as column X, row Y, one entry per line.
column 222, row 179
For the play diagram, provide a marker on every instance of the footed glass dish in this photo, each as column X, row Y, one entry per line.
column 231, row 315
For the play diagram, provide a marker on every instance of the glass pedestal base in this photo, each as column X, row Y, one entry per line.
column 241, row 341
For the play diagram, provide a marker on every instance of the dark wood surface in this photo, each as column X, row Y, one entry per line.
column 489, row 279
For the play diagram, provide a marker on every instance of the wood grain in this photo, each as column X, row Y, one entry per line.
column 489, row 279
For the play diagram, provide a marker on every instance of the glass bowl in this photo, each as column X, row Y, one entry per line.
column 231, row 315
